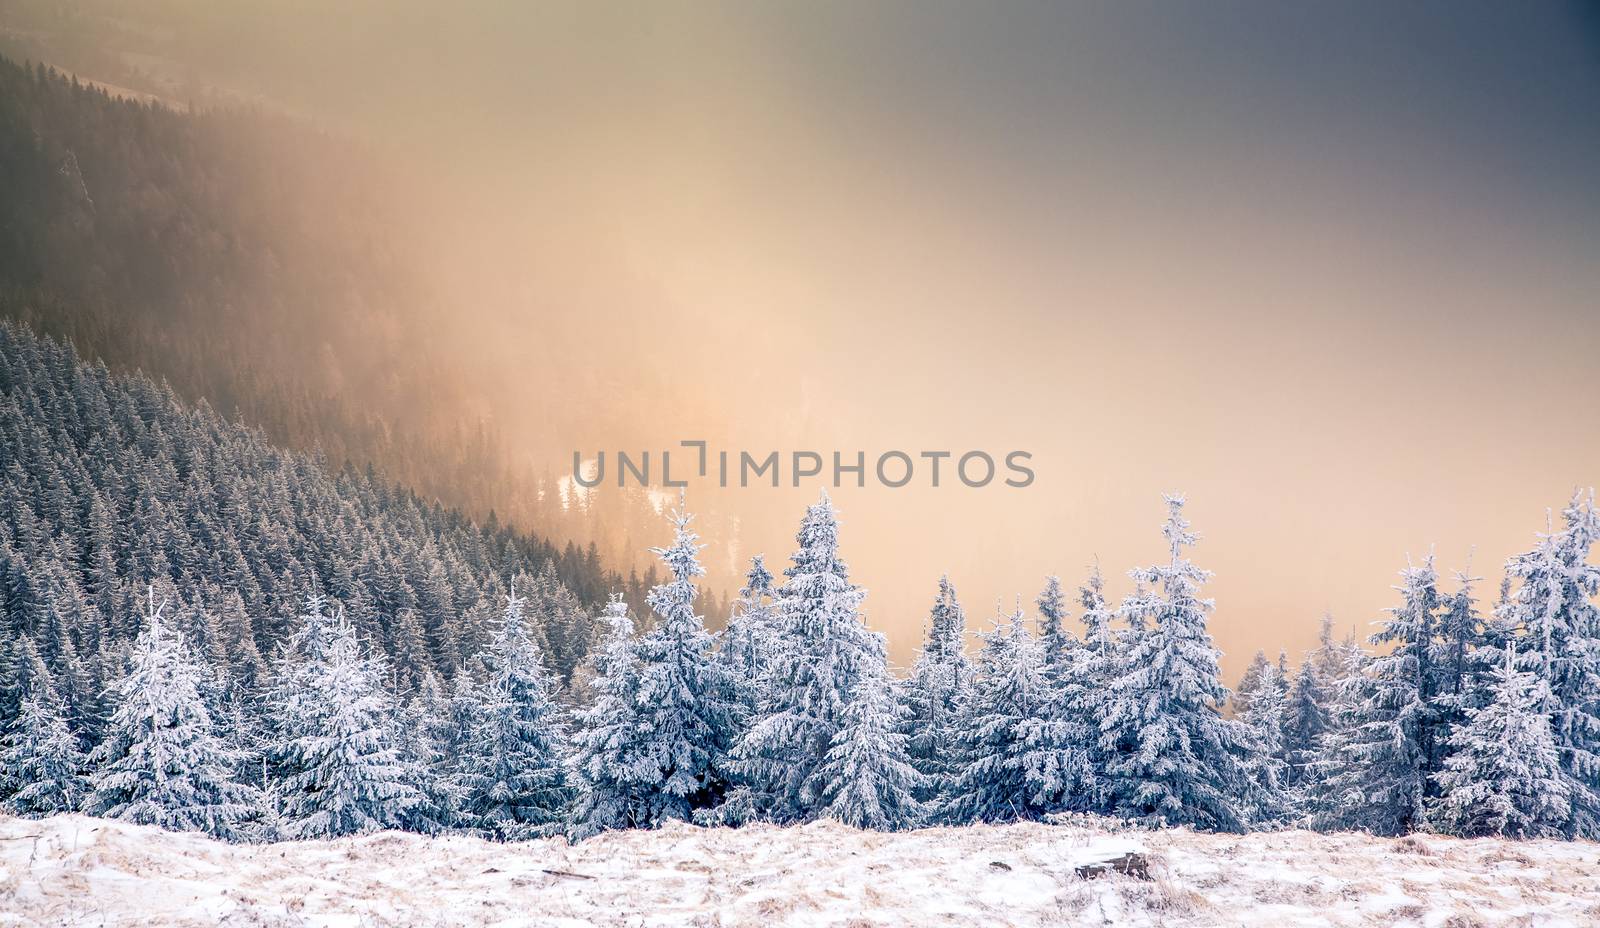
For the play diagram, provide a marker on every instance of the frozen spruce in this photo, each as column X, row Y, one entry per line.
column 824, row 649
column 654, row 746
column 1305, row 719
column 1554, row 603
column 613, row 769
column 431, row 747
column 1057, row 645
column 338, row 768
column 1250, row 681
column 870, row 781
column 1503, row 776
column 1463, row 658
column 515, row 785
column 998, row 723
column 1171, row 758
column 1060, row 759
column 1377, row 769
column 161, row 762
column 1101, row 663
column 1265, row 761
column 935, row 693
column 746, row 646
column 42, row 759
column 22, row 674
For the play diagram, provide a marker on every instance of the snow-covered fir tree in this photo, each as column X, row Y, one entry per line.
column 430, row 745
column 1503, row 775
column 746, row 645
column 813, row 678
column 1264, row 718
column 664, row 726
column 1318, row 797
column 41, row 758
column 935, row 695
column 409, row 660
column 1057, row 644
column 1171, row 756
column 338, row 767
column 1377, row 775
column 465, row 707
column 870, row 782
column 1459, row 639
column 999, row 727
column 515, row 782
column 161, row 762
column 1554, row 605
column 1101, row 661
column 613, row 770
column 1305, row 719
column 25, row 674
column 1060, row 757
column 1250, row 681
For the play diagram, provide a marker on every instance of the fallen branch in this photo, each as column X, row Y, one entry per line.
column 568, row 873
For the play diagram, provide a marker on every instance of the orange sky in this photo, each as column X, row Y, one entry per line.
column 1333, row 274
column 1343, row 335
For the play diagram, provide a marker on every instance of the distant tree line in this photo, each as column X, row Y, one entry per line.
column 165, row 664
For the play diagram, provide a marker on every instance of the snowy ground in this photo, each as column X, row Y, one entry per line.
column 81, row 871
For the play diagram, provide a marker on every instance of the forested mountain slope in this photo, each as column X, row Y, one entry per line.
column 242, row 257
column 285, row 276
column 109, row 484
column 277, row 271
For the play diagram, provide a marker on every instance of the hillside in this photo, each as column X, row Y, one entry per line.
column 284, row 274
column 293, row 279
column 71, row 870
column 113, row 486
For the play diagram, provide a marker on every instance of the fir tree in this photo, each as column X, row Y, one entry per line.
column 748, row 640
column 1171, row 757
column 1249, row 682
column 1265, row 762
column 1059, row 755
column 1009, row 698
column 813, row 678
column 25, row 674
column 1377, row 776
column 430, row 744
column 1056, row 643
column 42, row 760
column 1089, row 701
column 936, row 694
column 746, row 645
column 1503, row 776
column 612, row 766
column 684, row 700
column 339, row 768
column 1554, row 605
column 1459, row 635
column 409, row 661
column 1305, row 720
column 161, row 762
column 870, row 783
column 515, row 784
